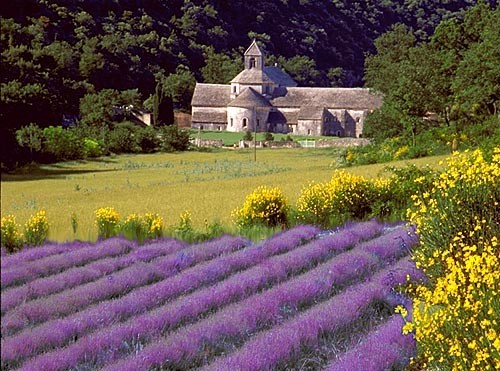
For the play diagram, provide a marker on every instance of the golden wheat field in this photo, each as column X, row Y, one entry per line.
column 208, row 184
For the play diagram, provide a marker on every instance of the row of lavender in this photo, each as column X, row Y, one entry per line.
column 166, row 304
column 23, row 318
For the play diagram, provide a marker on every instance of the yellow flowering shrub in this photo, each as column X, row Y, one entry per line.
column 344, row 196
column 464, row 200
column 36, row 229
column 456, row 313
column 265, row 205
column 401, row 152
column 107, row 221
column 457, row 319
column 185, row 230
column 154, row 225
column 12, row 239
column 142, row 227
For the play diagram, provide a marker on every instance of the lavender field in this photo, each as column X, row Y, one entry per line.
column 302, row 299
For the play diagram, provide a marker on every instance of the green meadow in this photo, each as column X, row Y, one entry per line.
column 208, row 184
column 232, row 139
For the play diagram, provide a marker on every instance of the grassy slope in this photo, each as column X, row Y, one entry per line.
column 210, row 185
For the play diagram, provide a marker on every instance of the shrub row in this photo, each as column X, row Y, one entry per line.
column 344, row 197
column 55, row 143
column 329, row 204
column 36, row 230
column 435, row 141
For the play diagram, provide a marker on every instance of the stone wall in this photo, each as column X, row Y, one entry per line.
column 214, row 126
column 342, row 142
column 309, row 127
column 217, row 143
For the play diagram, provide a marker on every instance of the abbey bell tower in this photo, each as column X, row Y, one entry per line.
column 254, row 57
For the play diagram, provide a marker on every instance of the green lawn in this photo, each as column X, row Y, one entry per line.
column 209, row 184
column 230, row 139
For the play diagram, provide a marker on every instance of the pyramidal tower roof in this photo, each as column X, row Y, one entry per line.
column 254, row 49
column 249, row 99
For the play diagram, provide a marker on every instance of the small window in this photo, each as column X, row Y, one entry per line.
column 201, row 127
column 245, row 121
column 338, row 133
column 258, row 122
column 308, row 131
column 252, row 62
column 234, row 88
column 231, row 121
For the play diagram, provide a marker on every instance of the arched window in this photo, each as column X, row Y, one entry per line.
column 245, row 122
column 231, row 121
column 234, row 88
column 252, row 62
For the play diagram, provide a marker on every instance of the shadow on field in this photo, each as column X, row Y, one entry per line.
column 53, row 171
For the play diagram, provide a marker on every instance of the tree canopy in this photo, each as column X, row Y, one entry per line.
column 56, row 54
column 453, row 76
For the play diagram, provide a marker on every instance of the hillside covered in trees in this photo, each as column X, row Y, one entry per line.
column 80, row 58
column 445, row 88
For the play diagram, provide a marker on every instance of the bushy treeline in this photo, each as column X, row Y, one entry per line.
column 54, row 143
column 439, row 94
column 61, row 57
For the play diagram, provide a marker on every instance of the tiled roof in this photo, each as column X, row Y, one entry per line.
column 219, row 117
column 252, row 76
column 217, row 95
column 249, row 98
column 211, row 95
column 345, row 98
column 311, row 113
column 253, row 49
column 279, row 76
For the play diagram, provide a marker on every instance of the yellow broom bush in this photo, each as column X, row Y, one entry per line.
column 456, row 313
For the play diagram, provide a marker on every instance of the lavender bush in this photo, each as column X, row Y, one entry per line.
column 31, row 270
column 29, row 254
column 382, row 349
column 222, row 304
column 79, row 275
column 246, row 316
column 57, row 332
column 236, row 287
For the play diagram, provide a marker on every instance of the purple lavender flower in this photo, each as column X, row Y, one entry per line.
column 31, row 270
column 29, row 254
column 380, row 350
column 287, row 338
column 57, row 332
column 246, row 316
column 80, row 275
column 238, row 285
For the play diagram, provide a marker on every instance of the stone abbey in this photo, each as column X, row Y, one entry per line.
column 266, row 99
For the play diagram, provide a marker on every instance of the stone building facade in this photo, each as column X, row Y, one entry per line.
column 266, row 99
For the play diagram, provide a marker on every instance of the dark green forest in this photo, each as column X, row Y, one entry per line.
column 77, row 59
